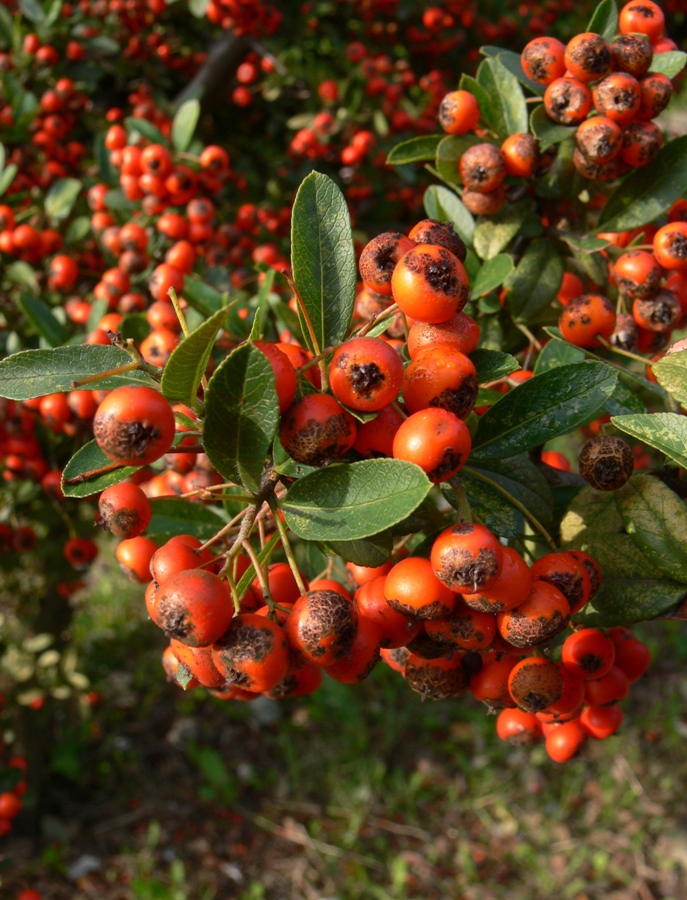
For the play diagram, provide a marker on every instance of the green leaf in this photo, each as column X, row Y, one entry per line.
column 493, row 235
column 467, row 83
column 371, row 552
column 491, row 275
column 21, row 273
column 115, row 199
column 506, row 110
column 491, row 506
column 135, row 326
column 88, row 459
column 631, row 591
column 146, row 129
column 623, row 401
column 604, row 21
column 493, row 364
column 590, row 513
column 542, row 408
column 648, row 191
column 202, row 296
column 350, row 501
column 78, row 230
column 33, row 11
column 263, row 555
column 665, row 432
column 7, row 177
column 546, row 131
column 323, row 260
column 44, row 320
column 103, row 45
column 172, row 516
column 656, row 520
column 61, row 198
column 584, row 244
column 445, row 206
column 669, row 64
column 186, row 366
column 242, row 414
column 535, row 282
column 518, row 477
column 416, row 149
column 53, row 14
column 511, row 60
column 557, row 353
column 449, row 152
column 34, row 373
column 184, row 124
column 671, row 374
column 198, row 8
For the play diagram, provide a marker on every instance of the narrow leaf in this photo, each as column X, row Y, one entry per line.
column 186, row 366
column 61, row 197
column 535, row 282
column 511, row 60
column 547, row 405
column 665, row 432
column 517, row 477
column 242, row 414
column 547, row 131
column 604, row 20
column 88, row 459
column 33, row 11
column 351, row 501
column 442, row 204
column 491, row 275
column 146, row 129
column 656, row 520
column 669, row 64
column 491, row 506
column 323, row 260
column 493, row 235
column 449, row 152
column 7, row 177
column 417, row 149
column 648, row 191
column 493, row 364
column 172, row 516
column 671, row 374
column 374, row 551
column 44, row 320
column 506, row 110
column 34, row 373
column 184, row 124
column 202, row 296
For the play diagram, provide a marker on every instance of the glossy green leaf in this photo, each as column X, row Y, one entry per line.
column 557, row 353
column 511, row 60
column 546, row 131
column 492, row 235
column 77, row 230
column 445, row 206
column 623, row 401
column 241, row 416
column 202, row 296
column 468, row 83
column 671, row 374
column 491, row 275
column 665, row 432
column 493, row 364
column 172, row 516
column 146, row 129
column 347, row 502
column 88, row 459
column 372, row 552
column 21, row 273
column 516, row 477
column 535, row 282
column 186, row 366
column 44, row 320
column 590, row 513
column 33, row 11
column 323, row 260
column 61, row 197
column 184, row 125
column 34, row 373
column 491, row 506
column 631, row 590
column 506, row 110
column 604, row 20
column 648, row 191
column 7, row 177
column 669, row 64
column 547, row 405
column 656, row 520
column 417, row 149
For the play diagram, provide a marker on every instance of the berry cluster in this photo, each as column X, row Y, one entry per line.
column 615, row 80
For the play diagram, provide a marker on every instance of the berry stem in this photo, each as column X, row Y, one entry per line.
column 260, row 572
column 378, row 317
column 288, row 550
column 528, row 334
column 534, row 522
column 110, row 373
column 92, row 473
column 608, row 346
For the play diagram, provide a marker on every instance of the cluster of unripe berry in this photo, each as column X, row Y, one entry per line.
column 612, row 80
